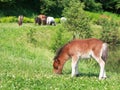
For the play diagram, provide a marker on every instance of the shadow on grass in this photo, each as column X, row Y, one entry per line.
column 88, row 75
column 83, row 74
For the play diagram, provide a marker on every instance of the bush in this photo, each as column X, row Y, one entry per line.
column 102, row 19
column 77, row 20
column 28, row 20
column 92, row 5
column 57, row 20
column 15, row 19
column 8, row 19
column 93, row 16
column 59, row 39
column 109, row 32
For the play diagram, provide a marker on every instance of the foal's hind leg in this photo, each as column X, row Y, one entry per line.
column 74, row 65
column 102, row 69
column 102, row 73
column 101, row 63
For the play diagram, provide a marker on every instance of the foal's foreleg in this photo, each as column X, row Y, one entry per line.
column 75, row 66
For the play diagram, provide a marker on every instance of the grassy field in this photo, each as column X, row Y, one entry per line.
column 26, row 62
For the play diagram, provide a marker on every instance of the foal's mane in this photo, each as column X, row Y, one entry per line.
column 59, row 51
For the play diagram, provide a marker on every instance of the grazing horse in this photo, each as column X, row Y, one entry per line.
column 20, row 20
column 51, row 21
column 37, row 20
column 63, row 19
column 43, row 19
column 78, row 49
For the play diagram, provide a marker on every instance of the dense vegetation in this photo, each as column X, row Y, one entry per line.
column 53, row 7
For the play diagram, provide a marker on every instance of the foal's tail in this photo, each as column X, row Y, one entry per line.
column 104, row 51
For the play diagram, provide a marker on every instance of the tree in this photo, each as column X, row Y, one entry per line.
column 77, row 20
column 51, row 7
column 91, row 5
column 110, row 5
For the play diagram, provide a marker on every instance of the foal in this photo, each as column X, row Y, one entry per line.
column 78, row 49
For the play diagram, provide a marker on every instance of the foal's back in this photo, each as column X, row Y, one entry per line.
column 85, row 48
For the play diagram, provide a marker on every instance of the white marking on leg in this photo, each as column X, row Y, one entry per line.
column 102, row 71
column 104, row 74
column 74, row 66
column 101, row 63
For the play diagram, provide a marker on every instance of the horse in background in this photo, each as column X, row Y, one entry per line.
column 40, row 19
column 20, row 20
column 51, row 21
column 37, row 20
column 43, row 19
column 78, row 49
column 63, row 19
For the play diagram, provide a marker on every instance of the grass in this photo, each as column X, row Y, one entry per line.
column 27, row 66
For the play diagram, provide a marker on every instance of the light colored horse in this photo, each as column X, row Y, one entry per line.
column 78, row 49
column 51, row 21
column 63, row 19
column 20, row 20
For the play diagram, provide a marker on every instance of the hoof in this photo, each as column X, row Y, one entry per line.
column 102, row 78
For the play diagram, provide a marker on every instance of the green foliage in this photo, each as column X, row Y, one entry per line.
column 59, row 39
column 31, row 38
column 77, row 20
column 7, row 0
column 57, row 43
column 57, row 20
column 117, row 6
column 28, row 20
column 110, row 5
column 51, row 7
column 91, row 5
column 8, row 19
column 15, row 19
column 93, row 16
column 109, row 31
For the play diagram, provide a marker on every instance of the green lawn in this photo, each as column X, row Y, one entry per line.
column 26, row 62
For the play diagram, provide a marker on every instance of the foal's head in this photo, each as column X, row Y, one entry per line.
column 60, row 59
column 58, row 63
column 56, row 67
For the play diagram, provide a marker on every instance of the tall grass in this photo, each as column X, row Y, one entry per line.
column 27, row 66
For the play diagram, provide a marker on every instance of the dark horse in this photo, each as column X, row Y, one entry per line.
column 77, row 49
column 37, row 20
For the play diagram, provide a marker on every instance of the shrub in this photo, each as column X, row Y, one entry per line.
column 77, row 20
column 58, row 40
column 31, row 38
column 60, row 37
column 102, row 19
column 109, row 32
column 92, row 5
column 57, row 20
column 93, row 16
column 28, row 20
column 8, row 19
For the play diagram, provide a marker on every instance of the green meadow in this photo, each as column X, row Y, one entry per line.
column 26, row 60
